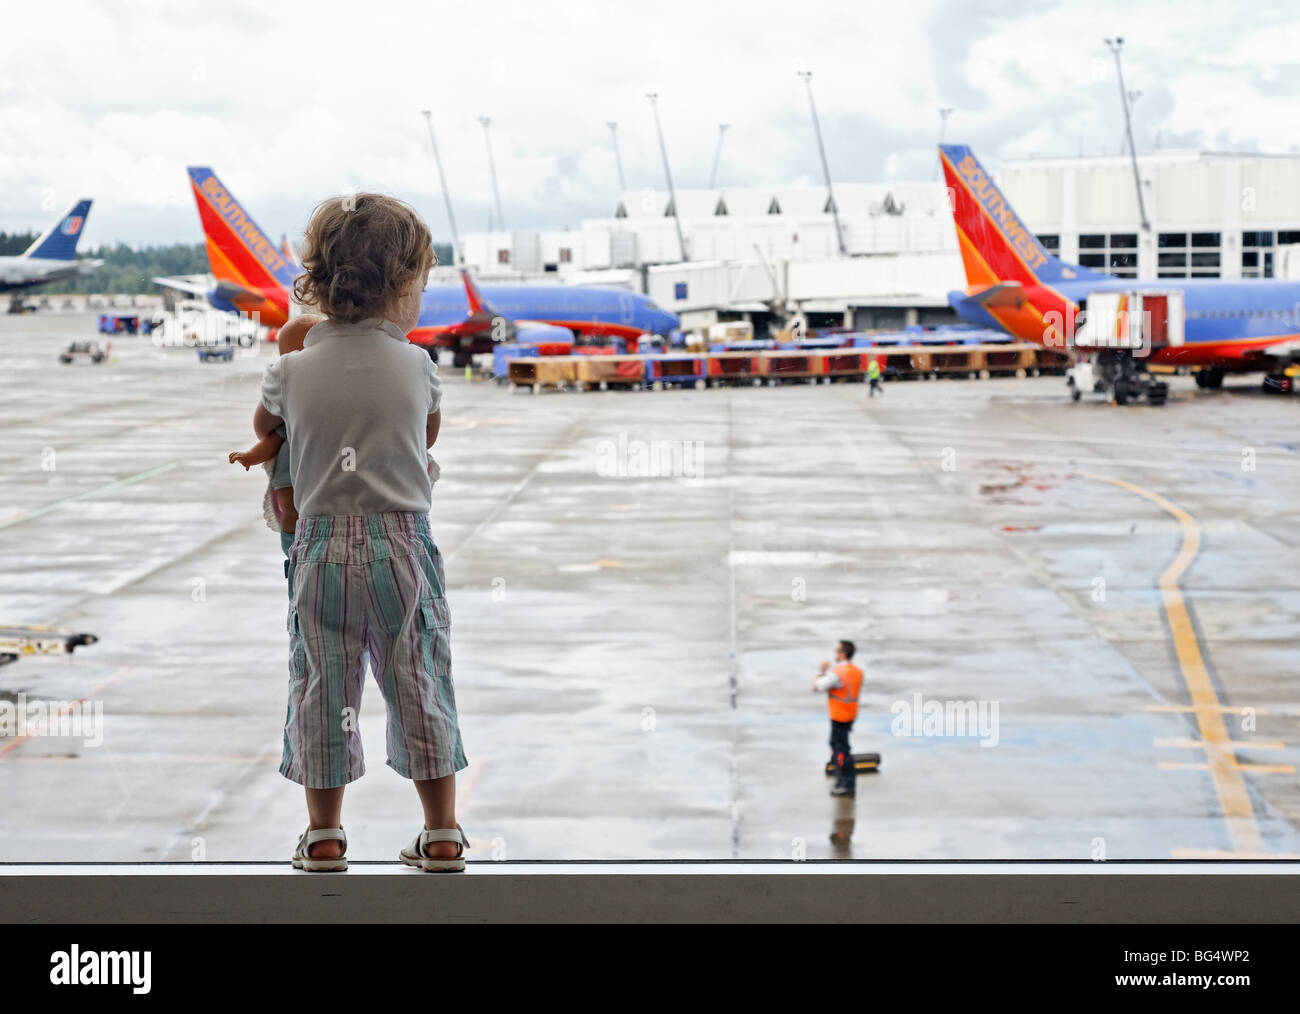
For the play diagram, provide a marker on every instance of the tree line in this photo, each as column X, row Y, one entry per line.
column 125, row 270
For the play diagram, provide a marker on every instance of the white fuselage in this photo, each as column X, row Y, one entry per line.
column 21, row 272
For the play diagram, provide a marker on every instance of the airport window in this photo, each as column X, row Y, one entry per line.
column 1179, row 249
column 1252, row 245
column 640, row 620
column 1113, row 254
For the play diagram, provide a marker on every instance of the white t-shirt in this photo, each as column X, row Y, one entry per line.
column 355, row 400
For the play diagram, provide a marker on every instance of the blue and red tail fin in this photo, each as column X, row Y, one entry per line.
column 996, row 245
column 239, row 251
column 59, row 242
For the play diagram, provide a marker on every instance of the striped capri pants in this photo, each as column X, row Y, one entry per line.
column 368, row 586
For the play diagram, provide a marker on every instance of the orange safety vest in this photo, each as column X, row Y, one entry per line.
column 843, row 700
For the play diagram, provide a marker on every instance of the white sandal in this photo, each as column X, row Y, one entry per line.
column 302, row 859
column 414, row 854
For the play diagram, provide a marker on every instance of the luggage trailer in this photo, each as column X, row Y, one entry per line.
column 530, row 368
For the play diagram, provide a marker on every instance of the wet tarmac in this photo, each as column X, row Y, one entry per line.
column 642, row 585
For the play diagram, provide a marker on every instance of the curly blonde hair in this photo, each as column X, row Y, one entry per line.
column 359, row 255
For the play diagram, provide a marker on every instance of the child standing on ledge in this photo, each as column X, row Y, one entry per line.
column 361, row 408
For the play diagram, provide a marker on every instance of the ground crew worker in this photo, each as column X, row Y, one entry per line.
column 842, row 685
column 873, row 375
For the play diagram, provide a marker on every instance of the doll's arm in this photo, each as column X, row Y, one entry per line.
column 262, row 451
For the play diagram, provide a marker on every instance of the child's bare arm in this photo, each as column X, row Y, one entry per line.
column 262, row 451
column 431, row 426
column 264, row 423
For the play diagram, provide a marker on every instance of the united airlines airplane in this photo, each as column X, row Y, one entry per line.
column 52, row 257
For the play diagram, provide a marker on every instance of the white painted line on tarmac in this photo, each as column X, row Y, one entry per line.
column 90, row 493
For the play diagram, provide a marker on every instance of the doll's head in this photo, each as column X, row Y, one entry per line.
column 291, row 336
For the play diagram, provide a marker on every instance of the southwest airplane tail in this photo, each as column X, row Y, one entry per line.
column 1010, row 278
column 253, row 274
column 995, row 245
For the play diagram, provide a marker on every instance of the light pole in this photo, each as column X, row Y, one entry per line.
column 1115, row 45
column 672, row 195
column 1132, row 101
column 944, row 113
column 618, row 160
column 717, row 156
column 806, row 75
column 492, row 168
column 458, row 255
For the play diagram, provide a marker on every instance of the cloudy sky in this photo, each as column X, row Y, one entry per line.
column 292, row 101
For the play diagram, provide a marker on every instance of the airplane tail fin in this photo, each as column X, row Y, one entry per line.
column 59, row 241
column 239, row 251
column 477, row 304
column 996, row 245
column 481, row 313
column 290, row 254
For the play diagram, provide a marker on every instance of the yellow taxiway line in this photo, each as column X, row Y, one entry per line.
column 1177, row 743
column 17, row 741
column 1226, row 772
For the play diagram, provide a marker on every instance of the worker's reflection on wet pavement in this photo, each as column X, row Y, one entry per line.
column 842, row 820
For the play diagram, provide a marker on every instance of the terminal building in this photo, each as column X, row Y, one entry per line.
column 1211, row 214
column 773, row 254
